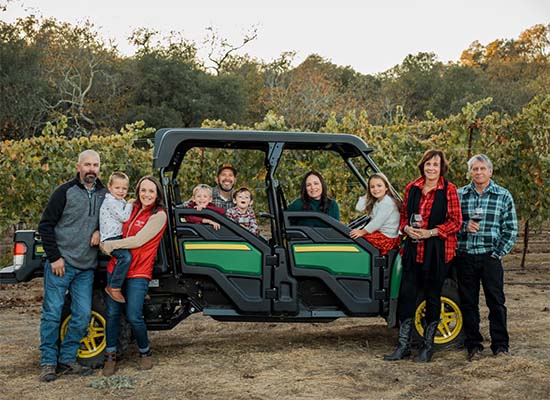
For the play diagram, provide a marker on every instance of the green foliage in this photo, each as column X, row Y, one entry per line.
column 518, row 146
column 30, row 169
column 527, row 171
column 51, row 70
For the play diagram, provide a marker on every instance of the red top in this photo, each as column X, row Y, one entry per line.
column 143, row 257
column 194, row 219
column 453, row 220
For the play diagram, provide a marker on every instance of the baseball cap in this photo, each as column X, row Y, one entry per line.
column 227, row 166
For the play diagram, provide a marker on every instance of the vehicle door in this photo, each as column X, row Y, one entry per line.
column 349, row 271
column 232, row 258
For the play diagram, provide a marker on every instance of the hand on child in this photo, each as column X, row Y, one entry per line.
column 356, row 233
column 104, row 250
column 94, row 241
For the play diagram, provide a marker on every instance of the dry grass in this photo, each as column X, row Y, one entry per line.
column 205, row 359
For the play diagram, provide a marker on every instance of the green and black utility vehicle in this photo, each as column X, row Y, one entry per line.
column 292, row 273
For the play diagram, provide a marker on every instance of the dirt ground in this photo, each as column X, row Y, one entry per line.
column 204, row 359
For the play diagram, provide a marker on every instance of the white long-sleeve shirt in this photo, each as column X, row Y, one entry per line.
column 112, row 215
column 384, row 218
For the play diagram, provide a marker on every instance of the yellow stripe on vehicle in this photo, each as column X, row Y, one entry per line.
column 324, row 249
column 215, row 246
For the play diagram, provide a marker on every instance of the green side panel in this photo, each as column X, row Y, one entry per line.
column 396, row 274
column 235, row 261
column 357, row 263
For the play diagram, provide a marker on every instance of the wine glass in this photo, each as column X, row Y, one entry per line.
column 416, row 222
column 477, row 216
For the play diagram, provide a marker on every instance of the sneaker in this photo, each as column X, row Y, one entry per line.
column 501, row 351
column 145, row 361
column 115, row 294
column 474, row 354
column 47, row 373
column 73, row 368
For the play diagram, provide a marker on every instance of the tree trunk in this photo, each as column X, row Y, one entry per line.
column 525, row 243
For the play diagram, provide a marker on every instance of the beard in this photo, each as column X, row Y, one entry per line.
column 226, row 187
column 90, row 178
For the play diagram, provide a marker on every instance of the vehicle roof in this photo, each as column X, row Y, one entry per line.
column 172, row 143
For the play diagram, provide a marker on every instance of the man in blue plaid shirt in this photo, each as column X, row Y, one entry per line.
column 488, row 233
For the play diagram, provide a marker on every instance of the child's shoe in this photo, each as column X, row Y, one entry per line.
column 109, row 367
column 145, row 361
column 115, row 294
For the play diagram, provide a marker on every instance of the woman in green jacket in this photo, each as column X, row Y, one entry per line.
column 313, row 197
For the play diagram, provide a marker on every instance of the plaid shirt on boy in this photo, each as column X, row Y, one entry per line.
column 246, row 219
column 498, row 228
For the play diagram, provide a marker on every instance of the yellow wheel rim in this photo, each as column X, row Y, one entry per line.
column 450, row 324
column 95, row 340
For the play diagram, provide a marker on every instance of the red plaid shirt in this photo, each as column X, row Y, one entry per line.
column 453, row 220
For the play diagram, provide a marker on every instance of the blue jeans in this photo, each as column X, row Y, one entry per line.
column 134, row 290
column 123, row 259
column 79, row 284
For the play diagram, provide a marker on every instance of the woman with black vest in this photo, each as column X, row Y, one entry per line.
column 430, row 219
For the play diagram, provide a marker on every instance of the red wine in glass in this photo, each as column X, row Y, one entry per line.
column 477, row 215
column 416, row 222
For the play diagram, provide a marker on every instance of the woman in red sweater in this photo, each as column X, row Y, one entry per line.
column 142, row 234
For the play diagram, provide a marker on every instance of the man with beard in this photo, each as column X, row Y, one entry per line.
column 222, row 194
column 69, row 232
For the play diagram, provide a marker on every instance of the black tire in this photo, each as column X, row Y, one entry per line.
column 92, row 347
column 450, row 329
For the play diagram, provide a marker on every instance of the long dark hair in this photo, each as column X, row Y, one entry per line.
column 324, row 201
column 159, row 202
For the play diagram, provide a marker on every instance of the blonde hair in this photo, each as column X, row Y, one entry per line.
column 371, row 199
column 202, row 186
column 118, row 175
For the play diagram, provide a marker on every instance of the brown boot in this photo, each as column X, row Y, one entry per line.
column 115, row 294
column 110, row 364
column 145, row 361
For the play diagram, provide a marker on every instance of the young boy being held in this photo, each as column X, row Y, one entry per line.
column 202, row 198
column 242, row 213
column 113, row 213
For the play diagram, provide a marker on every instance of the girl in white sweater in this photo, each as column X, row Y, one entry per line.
column 380, row 203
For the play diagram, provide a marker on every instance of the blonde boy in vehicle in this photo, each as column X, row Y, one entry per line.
column 202, row 198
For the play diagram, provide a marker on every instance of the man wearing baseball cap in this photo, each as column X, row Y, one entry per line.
column 222, row 194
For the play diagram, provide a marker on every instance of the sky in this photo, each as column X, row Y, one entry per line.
column 370, row 36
